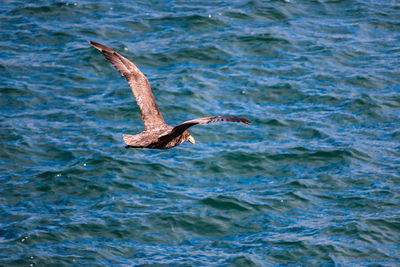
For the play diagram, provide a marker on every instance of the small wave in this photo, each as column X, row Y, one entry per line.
column 229, row 203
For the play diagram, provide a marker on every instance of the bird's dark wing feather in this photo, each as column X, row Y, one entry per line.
column 139, row 84
column 179, row 129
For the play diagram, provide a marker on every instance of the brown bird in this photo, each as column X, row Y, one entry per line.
column 157, row 133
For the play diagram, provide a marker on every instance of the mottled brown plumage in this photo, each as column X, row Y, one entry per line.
column 157, row 133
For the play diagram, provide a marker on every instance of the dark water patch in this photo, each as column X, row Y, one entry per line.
column 135, row 26
column 265, row 38
column 384, row 225
column 299, row 184
column 210, row 54
column 244, row 260
column 275, row 93
column 310, row 133
column 14, row 92
column 238, row 15
column 212, row 227
column 266, row 12
column 323, row 99
column 275, row 123
column 263, row 44
column 323, row 156
column 363, row 82
column 227, row 203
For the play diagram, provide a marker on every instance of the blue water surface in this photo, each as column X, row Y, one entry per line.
column 314, row 180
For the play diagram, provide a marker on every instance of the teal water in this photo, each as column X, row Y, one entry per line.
column 314, row 180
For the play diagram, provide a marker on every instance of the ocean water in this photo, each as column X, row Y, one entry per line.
column 314, row 180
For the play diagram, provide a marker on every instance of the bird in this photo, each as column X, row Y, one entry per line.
column 157, row 133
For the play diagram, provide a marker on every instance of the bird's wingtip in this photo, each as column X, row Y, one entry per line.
column 244, row 121
column 97, row 45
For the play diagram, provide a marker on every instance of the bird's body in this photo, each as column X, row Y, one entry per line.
column 154, row 138
column 157, row 133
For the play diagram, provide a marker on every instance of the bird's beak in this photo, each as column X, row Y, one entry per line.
column 191, row 139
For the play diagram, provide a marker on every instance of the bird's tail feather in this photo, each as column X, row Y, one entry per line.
column 128, row 139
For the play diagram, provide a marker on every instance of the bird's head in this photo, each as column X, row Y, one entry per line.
column 188, row 137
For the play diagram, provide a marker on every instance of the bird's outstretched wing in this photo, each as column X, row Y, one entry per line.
column 151, row 115
column 179, row 129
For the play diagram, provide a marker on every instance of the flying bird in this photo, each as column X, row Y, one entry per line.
column 157, row 133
